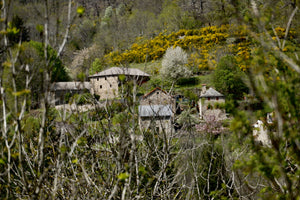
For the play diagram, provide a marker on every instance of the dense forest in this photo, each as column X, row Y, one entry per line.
column 247, row 50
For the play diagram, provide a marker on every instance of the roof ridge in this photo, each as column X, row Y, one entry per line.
column 211, row 92
column 119, row 71
column 157, row 88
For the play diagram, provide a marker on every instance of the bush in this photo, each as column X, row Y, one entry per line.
column 81, row 99
column 190, row 81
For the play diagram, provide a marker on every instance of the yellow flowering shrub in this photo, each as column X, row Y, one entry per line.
column 201, row 43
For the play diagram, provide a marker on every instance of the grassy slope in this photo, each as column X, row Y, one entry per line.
column 153, row 67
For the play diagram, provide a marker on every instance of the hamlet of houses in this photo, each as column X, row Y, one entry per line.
column 157, row 105
column 157, row 109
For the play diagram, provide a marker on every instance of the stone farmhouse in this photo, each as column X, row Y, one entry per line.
column 106, row 83
column 209, row 99
column 61, row 90
column 156, row 111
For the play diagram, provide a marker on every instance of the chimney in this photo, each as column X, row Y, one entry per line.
column 203, row 89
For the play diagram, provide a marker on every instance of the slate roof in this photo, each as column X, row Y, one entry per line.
column 70, row 86
column 212, row 93
column 155, row 110
column 120, row 71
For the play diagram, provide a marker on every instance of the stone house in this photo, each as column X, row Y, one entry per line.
column 208, row 104
column 106, row 83
column 61, row 90
column 156, row 111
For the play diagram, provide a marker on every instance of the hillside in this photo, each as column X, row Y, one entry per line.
column 124, row 134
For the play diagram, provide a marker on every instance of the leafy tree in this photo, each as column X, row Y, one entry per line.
column 228, row 78
column 23, row 32
column 274, row 79
column 58, row 71
column 97, row 66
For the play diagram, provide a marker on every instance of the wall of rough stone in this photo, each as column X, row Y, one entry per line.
column 212, row 101
column 158, row 97
column 105, row 87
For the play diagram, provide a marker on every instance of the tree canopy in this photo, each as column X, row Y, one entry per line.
column 228, row 78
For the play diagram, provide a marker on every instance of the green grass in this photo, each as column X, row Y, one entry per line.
column 153, row 68
column 150, row 67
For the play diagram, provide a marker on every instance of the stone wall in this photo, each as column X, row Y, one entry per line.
column 59, row 97
column 207, row 106
column 105, row 87
column 158, row 97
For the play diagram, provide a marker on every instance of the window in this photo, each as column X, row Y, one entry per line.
column 157, row 129
column 97, row 79
column 105, row 78
column 100, row 86
column 208, row 98
column 109, row 85
column 217, row 98
column 157, row 92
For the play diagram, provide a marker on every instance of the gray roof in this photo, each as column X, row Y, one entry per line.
column 155, row 110
column 212, row 93
column 120, row 71
column 71, row 86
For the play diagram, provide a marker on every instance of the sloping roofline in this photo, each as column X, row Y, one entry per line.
column 120, row 71
column 212, row 93
column 157, row 88
column 70, row 86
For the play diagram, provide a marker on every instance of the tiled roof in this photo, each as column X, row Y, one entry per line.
column 212, row 93
column 120, row 71
column 155, row 111
column 71, row 86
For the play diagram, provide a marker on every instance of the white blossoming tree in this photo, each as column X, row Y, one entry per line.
column 173, row 65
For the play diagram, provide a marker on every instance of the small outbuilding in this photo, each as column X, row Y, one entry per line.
column 61, row 90
column 156, row 111
column 209, row 102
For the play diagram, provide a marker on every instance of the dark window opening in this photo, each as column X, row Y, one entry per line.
column 217, row 98
column 100, row 86
column 208, row 98
column 157, row 129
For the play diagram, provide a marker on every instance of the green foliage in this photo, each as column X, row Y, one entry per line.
column 228, row 79
column 97, row 66
column 39, row 28
column 18, row 31
column 123, row 176
column 81, row 99
column 274, row 83
column 170, row 15
column 81, row 76
column 147, row 50
column 189, row 81
column 80, row 10
column 102, row 153
column 58, row 71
